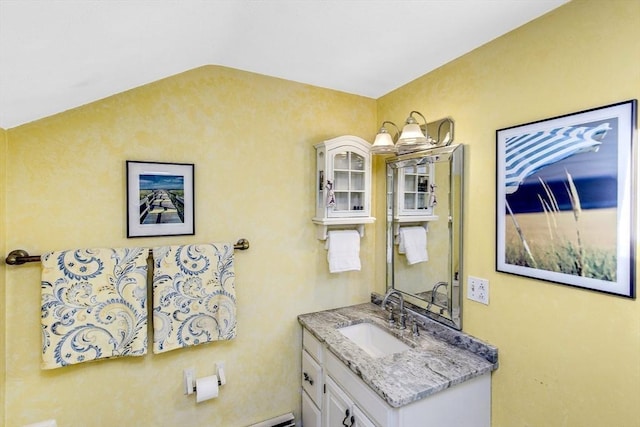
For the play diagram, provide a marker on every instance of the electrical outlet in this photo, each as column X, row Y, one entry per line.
column 478, row 289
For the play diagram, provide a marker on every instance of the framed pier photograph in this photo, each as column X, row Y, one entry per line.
column 160, row 199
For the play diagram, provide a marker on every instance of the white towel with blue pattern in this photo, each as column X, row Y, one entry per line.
column 194, row 300
column 93, row 305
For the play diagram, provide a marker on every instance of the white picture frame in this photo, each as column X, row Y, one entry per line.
column 566, row 199
column 160, row 199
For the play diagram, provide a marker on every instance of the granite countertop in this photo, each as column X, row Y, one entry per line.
column 439, row 357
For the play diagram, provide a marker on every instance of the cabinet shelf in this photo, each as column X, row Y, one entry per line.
column 422, row 220
column 416, row 218
column 324, row 224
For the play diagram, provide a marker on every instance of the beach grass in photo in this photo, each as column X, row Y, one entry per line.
column 577, row 241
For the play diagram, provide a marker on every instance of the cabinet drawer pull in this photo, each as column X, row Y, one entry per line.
column 308, row 378
column 346, row 417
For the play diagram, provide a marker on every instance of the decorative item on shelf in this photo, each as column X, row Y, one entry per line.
column 414, row 136
column 343, row 185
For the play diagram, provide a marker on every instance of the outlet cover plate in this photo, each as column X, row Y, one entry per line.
column 478, row 289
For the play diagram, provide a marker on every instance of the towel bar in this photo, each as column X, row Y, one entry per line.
column 20, row 256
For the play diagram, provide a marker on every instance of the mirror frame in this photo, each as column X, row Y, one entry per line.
column 454, row 155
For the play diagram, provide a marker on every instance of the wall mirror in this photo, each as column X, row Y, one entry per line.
column 424, row 231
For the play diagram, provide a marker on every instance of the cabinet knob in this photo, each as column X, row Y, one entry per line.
column 308, row 378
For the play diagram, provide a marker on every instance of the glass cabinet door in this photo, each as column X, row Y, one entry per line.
column 416, row 190
column 349, row 181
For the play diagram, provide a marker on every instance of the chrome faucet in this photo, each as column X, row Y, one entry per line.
column 403, row 314
column 434, row 293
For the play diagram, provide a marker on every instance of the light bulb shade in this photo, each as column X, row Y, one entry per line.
column 412, row 134
column 412, row 137
column 383, row 143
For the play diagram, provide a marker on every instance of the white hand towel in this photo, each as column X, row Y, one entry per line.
column 413, row 243
column 343, row 250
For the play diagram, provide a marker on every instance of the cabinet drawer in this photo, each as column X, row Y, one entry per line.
column 312, row 378
column 311, row 415
column 312, row 345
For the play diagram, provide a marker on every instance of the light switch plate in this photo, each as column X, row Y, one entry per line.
column 478, row 289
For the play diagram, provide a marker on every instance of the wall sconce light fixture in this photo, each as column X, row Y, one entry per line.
column 384, row 142
column 414, row 136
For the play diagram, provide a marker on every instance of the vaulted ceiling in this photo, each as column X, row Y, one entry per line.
column 60, row 54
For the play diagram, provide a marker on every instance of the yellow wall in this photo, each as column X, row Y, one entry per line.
column 568, row 357
column 251, row 138
column 3, row 323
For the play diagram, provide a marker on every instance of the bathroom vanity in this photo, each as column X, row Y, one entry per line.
column 357, row 370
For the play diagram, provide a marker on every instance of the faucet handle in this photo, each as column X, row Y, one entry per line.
column 390, row 318
column 414, row 328
column 403, row 320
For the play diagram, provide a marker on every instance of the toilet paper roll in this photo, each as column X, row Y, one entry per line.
column 206, row 388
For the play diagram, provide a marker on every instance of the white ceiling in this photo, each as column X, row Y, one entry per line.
column 60, row 54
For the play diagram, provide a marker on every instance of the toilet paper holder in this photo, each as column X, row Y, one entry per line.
column 189, row 377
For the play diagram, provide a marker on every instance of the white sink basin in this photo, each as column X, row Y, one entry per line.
column 374, row 340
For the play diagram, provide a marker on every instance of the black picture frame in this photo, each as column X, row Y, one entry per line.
column 160, row 199
column 566, row 199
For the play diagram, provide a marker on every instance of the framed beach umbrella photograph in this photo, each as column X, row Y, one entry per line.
column 566, row 199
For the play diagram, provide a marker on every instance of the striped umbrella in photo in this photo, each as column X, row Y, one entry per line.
column 527, row 154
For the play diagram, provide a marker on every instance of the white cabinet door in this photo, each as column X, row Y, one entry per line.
column 340, row 411
column 361, row 420
column 311, row 415
column 416, row 190
column 338, row 408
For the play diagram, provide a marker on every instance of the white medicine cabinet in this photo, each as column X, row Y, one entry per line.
column 343, row 184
